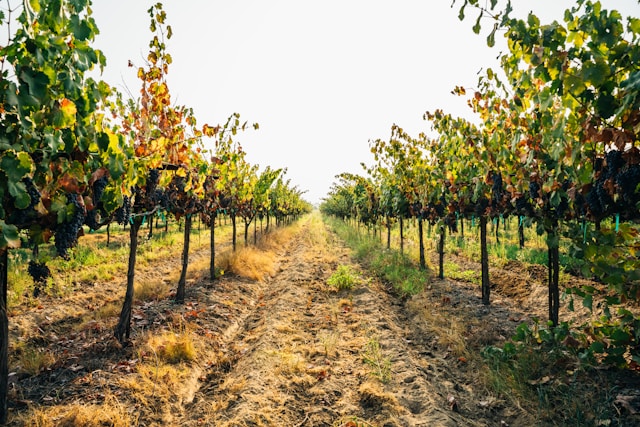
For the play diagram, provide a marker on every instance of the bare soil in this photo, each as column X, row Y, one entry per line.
column 287, row 351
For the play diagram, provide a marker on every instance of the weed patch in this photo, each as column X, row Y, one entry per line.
column 344, row 278
column 380, row 365
column 173, row 347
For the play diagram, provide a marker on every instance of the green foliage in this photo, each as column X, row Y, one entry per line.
column 51, row 117
column 453, row 271
column 538, row 369
column 344, row 278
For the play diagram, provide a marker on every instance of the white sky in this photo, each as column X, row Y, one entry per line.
column 322, row 78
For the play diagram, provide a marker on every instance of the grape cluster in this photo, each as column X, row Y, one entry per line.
column 123, row 213
column 92, row 218
column 496, row 189
column 628, row 181
column 98, row 190
column 481, row 206
column 66, row 234
column 33, row 192
column 152, row 181
column 524, row 207
column 160, row 198
column 614, row 190
column 39, row 272
column 614, row 162
column 534, row 189
column 24, row 217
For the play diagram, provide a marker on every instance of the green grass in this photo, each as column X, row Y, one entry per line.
column 343, row 278
column 454, row 271
column 392, row 267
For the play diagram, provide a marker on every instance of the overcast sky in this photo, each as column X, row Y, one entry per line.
column 322, row 78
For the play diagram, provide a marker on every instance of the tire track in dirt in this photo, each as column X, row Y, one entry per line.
column 299, row 349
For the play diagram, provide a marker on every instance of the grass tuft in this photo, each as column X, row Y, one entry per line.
column 343, row 278
column 380, row 365
column 31, row 360
column 173, row 347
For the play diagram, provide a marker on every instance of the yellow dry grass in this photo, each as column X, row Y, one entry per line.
column 249, row 262
column 109, row 413
column 258, row 262
column 172, row 347
column 152, row 290
column 372, row 395
column 447, row 328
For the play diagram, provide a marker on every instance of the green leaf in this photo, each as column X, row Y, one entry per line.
column 16, row 165
column 491, row 38
column 620, row 336
column 36, row 81
column 19, row 192
column 11, row 95
column 103, row 141
column 35, row 5
column 595, row 73
column 80, row 28
column 9, row 237
column 476, row 27
column 597, row 347
column 606, row 105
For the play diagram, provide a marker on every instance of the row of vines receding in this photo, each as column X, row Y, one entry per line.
column 76, row 155
column 554, row 142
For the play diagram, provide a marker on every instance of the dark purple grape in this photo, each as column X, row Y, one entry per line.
column 39, row 272
column 152, row 180
column 534, row 189
column 628, row 182
column 614, row 162
column 34, row 194
column 123, row 213
column 98, row 189
column 496, row 189
column 66, row 233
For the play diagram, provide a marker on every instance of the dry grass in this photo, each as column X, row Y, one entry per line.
column 448, row 329
column 258, row 262
column 379, row 365
column 156, row 386
column 286, row 362
column 249, row 262
column 321, row 240
column 31, row 360
column 152, row 290
column 108, row 311
column 172, row 347
column 110, row 413
column 352, row 421
column 372, row 395
column 276, row 239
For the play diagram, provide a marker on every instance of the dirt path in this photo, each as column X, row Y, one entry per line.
column 304, row 354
